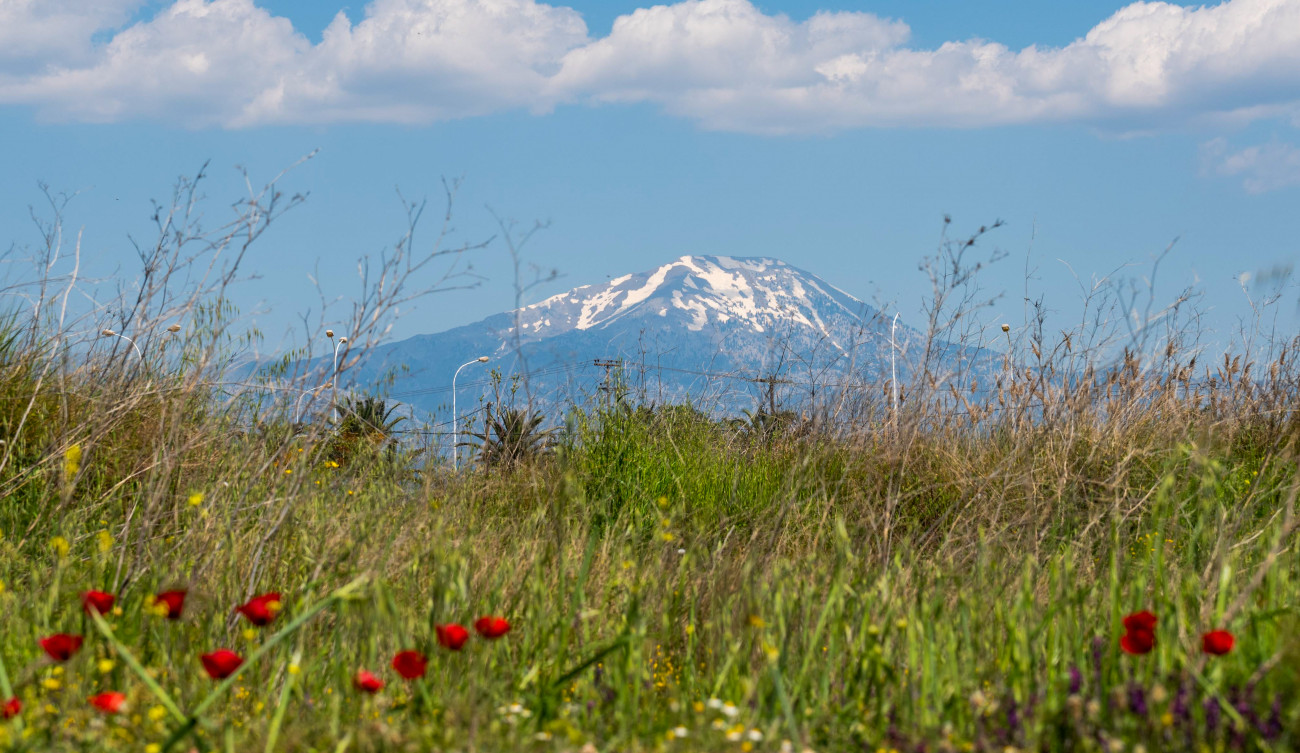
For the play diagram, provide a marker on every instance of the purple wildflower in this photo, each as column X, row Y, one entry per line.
column 1212, row 712
column 1137, row 700
column 1273, row 727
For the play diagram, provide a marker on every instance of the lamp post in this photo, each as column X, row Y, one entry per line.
column 297, row 405
column 111, row 333
column 334, row 372
column 893, row 364
column 455, row 437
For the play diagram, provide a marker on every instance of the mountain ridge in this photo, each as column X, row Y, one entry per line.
column 737, row 318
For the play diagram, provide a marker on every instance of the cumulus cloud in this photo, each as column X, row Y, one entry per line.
column 423, row 60
column 1263, row 168
column 722, row 63
column 731, row 67
column 196, row 62
column 36, row 33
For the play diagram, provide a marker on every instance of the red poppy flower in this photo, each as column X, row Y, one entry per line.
column 1143, row 620
column 111, row 702
column 1139, row 633
column 368, row 683
column 410, row 664
column 452, row 636
column 174, row 601
column 492, row 627
column 61, row 646
column 221, row 663
column 1217, row 642
column 1140, row 642
column 97, row 600
column 13, row 707
column 261, row 610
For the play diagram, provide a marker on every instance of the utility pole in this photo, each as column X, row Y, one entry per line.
column 771, row 382
column 607, row 365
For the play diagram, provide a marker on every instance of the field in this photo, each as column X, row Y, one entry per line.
column 1083, row 559
column 669, row 582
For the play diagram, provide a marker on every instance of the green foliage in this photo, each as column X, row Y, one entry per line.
column 510, row 436
column 672, row 585
column 364, row 430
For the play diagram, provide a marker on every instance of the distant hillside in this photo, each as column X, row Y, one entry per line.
column 700, row 328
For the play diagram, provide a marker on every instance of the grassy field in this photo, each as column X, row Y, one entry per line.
column 1080, row 558
column 931, row 581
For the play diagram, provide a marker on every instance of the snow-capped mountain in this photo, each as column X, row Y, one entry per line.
column 697, row 292
column 701, row 328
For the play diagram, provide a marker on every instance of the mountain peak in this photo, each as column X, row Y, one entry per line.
column 697, row 328
column 696, row 291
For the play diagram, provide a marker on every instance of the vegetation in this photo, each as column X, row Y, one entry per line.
column 510, row 436
column 366, row 427
column 1103, row 560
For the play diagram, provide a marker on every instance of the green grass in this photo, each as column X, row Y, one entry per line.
column 929, row 584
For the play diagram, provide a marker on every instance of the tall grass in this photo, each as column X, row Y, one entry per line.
column 669, row 584
column 950, row 576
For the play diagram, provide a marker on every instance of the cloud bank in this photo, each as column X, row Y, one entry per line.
column 721, row 63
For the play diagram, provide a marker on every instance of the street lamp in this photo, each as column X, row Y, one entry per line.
column 893, row 363
column 111, row 333
column 297, row 405
column 455, row 437
column 334, row 373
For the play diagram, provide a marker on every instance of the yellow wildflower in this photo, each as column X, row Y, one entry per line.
column 105, row 666
column 105, row 540
column 60, row 546
column 71, row 461
column 157, row 714
column 196, row 499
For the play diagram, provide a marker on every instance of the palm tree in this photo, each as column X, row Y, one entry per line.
column 368, row 422
column 510, row 436
column 764, row 425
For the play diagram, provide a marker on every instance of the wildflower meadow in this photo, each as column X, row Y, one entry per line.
column 648, row 586
column 1096, row 554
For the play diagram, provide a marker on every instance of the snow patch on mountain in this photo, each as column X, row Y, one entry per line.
column 756, row 294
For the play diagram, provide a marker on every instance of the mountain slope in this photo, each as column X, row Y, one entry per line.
column 701, row 328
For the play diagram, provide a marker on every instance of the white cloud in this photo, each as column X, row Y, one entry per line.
column 669, row 50
column 730, row 67
column 723, row 63
column 35, row 33
column 196, row 62
column 424, row 60
column 1264, row 167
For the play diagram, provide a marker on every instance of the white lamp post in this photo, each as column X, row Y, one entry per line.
column 455, row 437
column 111, row 333
column 893, row 365
column 334, row 373
column 297, row 406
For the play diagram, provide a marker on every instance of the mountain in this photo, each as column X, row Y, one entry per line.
column 701, row 328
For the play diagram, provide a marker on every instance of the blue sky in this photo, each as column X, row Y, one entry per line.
column 833, row 135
